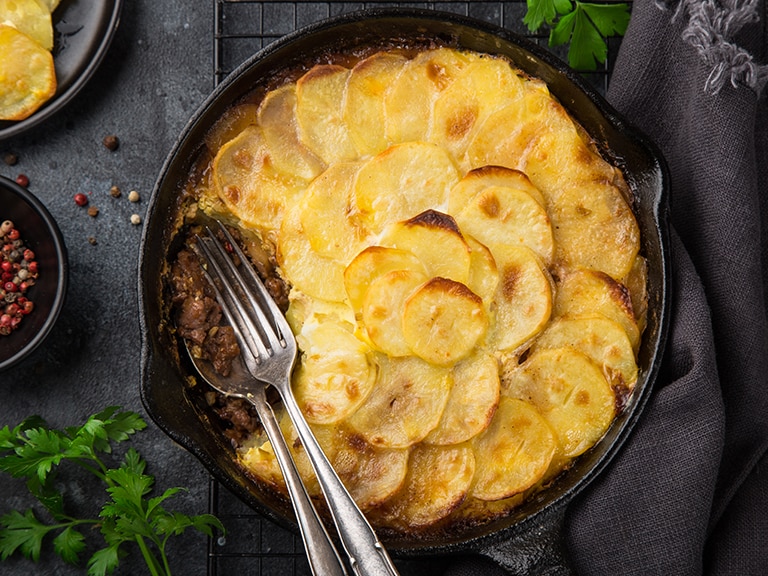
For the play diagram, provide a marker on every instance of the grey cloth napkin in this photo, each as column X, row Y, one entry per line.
column 688, row 493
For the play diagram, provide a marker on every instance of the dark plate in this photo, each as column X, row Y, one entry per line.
column 529, row 538
column 82, row 32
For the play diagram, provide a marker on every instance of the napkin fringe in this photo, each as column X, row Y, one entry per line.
column 711, row 27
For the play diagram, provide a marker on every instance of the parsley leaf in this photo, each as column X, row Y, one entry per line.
column 34, row 451
column 584, row 25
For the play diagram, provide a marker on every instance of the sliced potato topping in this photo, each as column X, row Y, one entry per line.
column 513, row 453
column 403, row 181
column 572, row 395
column 523, row 297
column 335, row 375
column 406, row 404
column 466, row 284
column 472, row 403
column 438, row 481
column 436, row 241
column 442, row 321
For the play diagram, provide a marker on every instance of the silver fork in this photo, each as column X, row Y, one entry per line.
column 269, row 350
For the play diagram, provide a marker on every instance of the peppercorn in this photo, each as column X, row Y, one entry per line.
column 18, row 273
column 93, row 211
column 22, row 180
column 133, row 196
column 81, row 199
column 92, row 240
column 11, row 159
column 115, row 192
column 111, row 142
column 135, row 219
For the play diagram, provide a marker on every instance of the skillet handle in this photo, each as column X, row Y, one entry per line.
column 538, row 550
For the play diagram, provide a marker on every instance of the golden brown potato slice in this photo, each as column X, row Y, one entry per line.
column 573, row 396
column 403, row 181
column 406, row 403
column 304, row 268
column 372, row 475
column 320, row 95
column 437, row 482
column 364, row 107
column 502, row 215
column 371, row 263
column 480, row 89
column 408, row 102
column 586, row 292
column 247, row 182
column 443, row 320
column 478, row 179
column 328, row 214
column 277, row 117
column 595, row 228
column 513, row 453
column 32, row 17
column 483, row 273
column 383, row 310
column 604, row 341
column 435, row 239
column 27, row 75
column 472, row 403
column 335, row 373
column 523, row 297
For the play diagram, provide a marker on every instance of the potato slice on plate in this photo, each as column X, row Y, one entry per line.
column 604, row 341
column 595, row 228
column 408, row 101
column 513, row 453
column 406, row 403
column 372, row 262
column 483, row 272
column 277, row 117
column 32, row 17
column 403, row 181
column 320, row 95
column 372, row 475
column 472, row 403
column 248, row 183
column 437, row 482
column 302, row 267
column 27, row 75
column 328, row 214
column 382, row 314
column 443, row 320
column 503, row 215
column 364, row 112
column 478, row 179
column 480, row 89
column 335, row 373
column 523, row 297
column 572, row 395
column 586, row 292
column 435, row 239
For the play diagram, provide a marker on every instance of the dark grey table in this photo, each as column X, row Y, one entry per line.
column 164, row 60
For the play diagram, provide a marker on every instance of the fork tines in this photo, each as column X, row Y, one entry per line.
column 241, row 294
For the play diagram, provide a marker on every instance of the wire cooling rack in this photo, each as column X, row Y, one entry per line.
column 255, row 546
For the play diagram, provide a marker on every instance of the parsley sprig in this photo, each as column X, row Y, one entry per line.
column 34, row 451
column 585, row 25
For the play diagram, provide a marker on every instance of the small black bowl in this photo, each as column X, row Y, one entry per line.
column 42, row 235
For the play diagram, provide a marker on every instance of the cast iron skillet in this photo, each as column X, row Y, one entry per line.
column 530, row 540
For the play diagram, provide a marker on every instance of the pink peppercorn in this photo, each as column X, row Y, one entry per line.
column 22, row 180
column 81, row 199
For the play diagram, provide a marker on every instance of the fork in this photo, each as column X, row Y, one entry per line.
column 268, row 348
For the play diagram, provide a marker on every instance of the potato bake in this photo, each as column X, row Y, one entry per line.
column 460, row 267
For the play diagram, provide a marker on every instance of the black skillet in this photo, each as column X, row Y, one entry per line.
column 529, row 541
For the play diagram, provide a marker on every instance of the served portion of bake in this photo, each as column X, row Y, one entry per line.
column 462, row 273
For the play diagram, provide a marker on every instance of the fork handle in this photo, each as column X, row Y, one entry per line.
column 367, row 555
column 321, row 553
